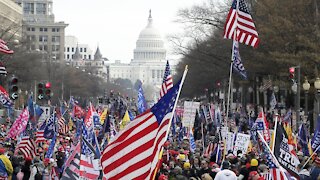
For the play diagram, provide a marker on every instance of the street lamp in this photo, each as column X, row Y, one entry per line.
column 306, row 87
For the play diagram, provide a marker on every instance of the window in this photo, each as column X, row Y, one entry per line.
column 43, row 47
column 85, row 56
column 153, row 74
column 28, row 8
column 53, row 30
column 33, row 29
column 68, row 49
column 55, row 47
column 80, row 49
column 72, row 50
column 43, row 29
column 89, row 56
column 43, row 38
column 41, row 8
column 84, row 49
column 68, row 56
column 57, row 29
column 28, row 29
column 55, row 39
column 158, row 73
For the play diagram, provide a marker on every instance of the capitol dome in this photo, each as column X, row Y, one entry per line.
column 150, row 45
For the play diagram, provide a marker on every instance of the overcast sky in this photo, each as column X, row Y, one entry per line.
column 115, row 25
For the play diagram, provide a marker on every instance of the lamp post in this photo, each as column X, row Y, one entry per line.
column 317, row 99
column 306, row 87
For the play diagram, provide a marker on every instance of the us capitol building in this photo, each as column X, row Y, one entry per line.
column 149, row 59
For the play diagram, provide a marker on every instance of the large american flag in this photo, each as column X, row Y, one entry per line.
column 167, row 82
column 241, row 22
column 4, row 48
column 27, row 147
column 134, row 152
column 40, row 133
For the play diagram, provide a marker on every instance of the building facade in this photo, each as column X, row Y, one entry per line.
column 41, row 30
column 149, row 59
column 10, row 20
column 71, row 44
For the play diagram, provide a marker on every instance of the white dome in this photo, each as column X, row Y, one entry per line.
column 150, row 32
column 149, row 46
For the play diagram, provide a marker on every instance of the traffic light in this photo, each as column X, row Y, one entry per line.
column 13, row 88
column 40, row 91
column 291, row 74
column 48, row 90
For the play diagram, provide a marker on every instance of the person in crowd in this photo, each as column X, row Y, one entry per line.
column 244, row 172
column 6, row 168
column 315, row 170
column 26, row 168
column 225, row 173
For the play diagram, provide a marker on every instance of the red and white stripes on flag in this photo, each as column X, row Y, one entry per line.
column 240, row 20
column 134, row 152
column 210, row 148
column 167, row 82
column 27, row 147
column 275, row 174
column 3, row 70
column 87, row 168
column 40, row 136
column 63, row 127
column 4, row 48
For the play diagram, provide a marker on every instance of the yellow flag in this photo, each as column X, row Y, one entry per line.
column 271, row 140
column 70, row 124
column 309, row 148
column 125, row 120
column 103, row 116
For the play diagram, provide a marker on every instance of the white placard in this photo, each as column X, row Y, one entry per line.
column 189, row 113
column 230, row 141
column 46, row 113
column 242, row 143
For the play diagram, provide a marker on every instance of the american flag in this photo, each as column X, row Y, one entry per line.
column 63, row 126
column 210, row 148
column 167, row 82
column 3, row 70
column 241, row 21
column 40, row 133
column 27, row 146
column 72, row 165
column 4, row 48
column 87, row 168
column 134, row 152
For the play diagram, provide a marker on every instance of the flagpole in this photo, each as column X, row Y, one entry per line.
column 274, row 133
column 230, row 71
column 174, row 107
column 275, row 159
column 314, row 152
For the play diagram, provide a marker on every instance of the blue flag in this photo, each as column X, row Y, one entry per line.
column 30, row 107
column 303, row 140
column 142, row 104
column 237, row 64
column 38, row 111
column 315, row 142
column 51, row 147
column 50, row 129
column 192, row 143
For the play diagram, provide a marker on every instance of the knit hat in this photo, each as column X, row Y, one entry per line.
column 186, row 165
column 254, row 162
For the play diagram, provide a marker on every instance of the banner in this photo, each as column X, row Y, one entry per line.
column 230, row 141
column 242, row 143
column 19, row 124
column 284, row 152
column 315, row 142
column 4, row 98
column 189, row 113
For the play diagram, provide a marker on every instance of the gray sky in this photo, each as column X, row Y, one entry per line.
column 115, row 25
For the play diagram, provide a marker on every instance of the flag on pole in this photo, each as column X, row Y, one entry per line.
column 284, row 153
column 167, row 82
column 142, row 104
column 125, row 120
column 303, row 140
column 51, row 147
column 72, row 165
column 4, row 48
column 27, row 147
column 134, row 152
column 262, row 126
column 236, row 60
column 192, row 143
column 315, row 142
column 239, row 19
column 273, row 101
column 4, row 98
column 3, row 70
column 19, row 124
column 50, row 128
column 40, row 133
